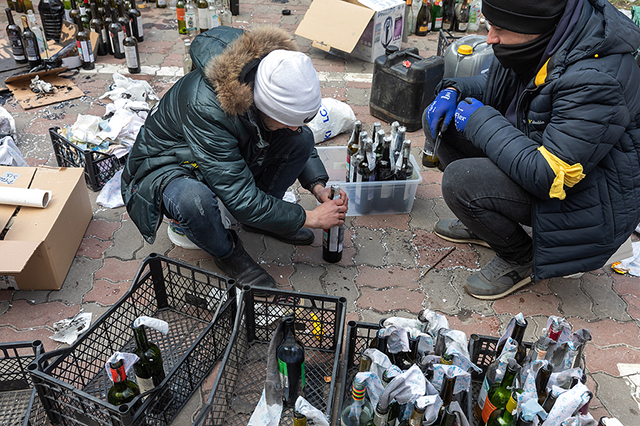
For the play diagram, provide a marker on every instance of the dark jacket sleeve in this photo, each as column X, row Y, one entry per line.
column 314, row 172
column 468, row 87
column 588, row 116
column 225, row 171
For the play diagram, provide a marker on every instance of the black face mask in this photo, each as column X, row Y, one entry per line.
column 524, row 57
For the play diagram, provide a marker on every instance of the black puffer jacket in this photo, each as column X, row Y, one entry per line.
column 583, row 107
column 206, row 126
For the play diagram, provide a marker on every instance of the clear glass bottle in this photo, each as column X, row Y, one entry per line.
column 43, row 48
column 358, row 412
column 186, row 60
column 191, row 18
column 161, row 4
column 204, row 21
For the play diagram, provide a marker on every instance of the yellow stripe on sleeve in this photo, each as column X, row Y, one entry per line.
column 565, row 174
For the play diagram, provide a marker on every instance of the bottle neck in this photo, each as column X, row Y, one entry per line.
column 358, row 392
column 509, row 376
column 25, row 24
column 288, row 329
column 118, row 373
column 518, row 331
column 10, row 17
column 446, row 393
column 139, row 332
column 542, row 379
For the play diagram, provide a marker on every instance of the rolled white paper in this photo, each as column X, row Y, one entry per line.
column 24, row 197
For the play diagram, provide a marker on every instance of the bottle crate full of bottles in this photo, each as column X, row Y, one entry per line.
column 19, row 403
column 371, row 197
column 318, row 323
column 200, row 309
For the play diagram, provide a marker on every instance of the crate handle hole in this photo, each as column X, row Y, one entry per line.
column 123, row 408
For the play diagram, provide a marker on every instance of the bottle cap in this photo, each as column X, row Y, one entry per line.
column 465, row 49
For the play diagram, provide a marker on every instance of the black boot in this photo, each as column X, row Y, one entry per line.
column 243, row 268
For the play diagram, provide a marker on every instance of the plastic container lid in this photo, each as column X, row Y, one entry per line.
column 465, row 49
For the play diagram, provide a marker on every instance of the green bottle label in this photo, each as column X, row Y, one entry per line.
column 284, row 377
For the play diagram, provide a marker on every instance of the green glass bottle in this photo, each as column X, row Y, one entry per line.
column 499, row 393
column 504, row 416
column 149, row 369
column 182, row 25
column 123, row 390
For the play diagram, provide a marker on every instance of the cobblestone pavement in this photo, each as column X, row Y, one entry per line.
column 392, row 264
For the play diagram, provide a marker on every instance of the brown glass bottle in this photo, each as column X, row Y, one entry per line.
column 30, row 43
column 446, row 394
column 97, row 26
column 116, row 35
column 15, row 38
column 131, row 52
column 83, row 43
column 135, row 17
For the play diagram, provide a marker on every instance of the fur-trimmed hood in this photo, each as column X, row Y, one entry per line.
column 229, row 72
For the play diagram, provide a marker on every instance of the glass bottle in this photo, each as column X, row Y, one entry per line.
column 378, row 144
column 416, row 416
column 449, row 15
column 406, row 25
column 542, row 380
column 299, row 419
column 19, row 6
column 448, row 418
column 122, row 16
column 43, row 48
column 161, row 4
column 116, row 35
column 550, row 401
column 365, row 193
column 187, row 63
column 499, row 393
column 106, row 18
column 423, row 22
column 204, row 21
column 74, row 12
column 462, row 16
column 30, row 43
column 446, row 394
column 28, row 6
column 84, row 14
column 123, row 390
column 10, row 4
column 436, row 15
column 135, row 17
column 291, row 364
column 180, row 10
column 83, row 43
column 333, row 238
column 352, row 146
column 504, row 416
column 149, row 370
column 191, row 17
column 517, row 334
column 97, row 26
column 214, row 16
column 406, row 169
column 15, row 39
column 51, row 15
column 67, row 9
column 358, row 412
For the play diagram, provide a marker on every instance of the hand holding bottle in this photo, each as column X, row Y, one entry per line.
column 443, row 106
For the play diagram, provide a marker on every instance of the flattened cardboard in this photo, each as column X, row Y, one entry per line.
column 23, row 180
column 65, row 88
column 40, row 246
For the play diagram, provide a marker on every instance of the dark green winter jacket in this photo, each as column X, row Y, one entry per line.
column 583, row 109
column 206, row 126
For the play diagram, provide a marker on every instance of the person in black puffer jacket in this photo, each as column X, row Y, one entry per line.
column 233, row 131
column 549, row 137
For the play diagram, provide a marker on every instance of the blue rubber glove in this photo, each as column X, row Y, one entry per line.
column 464, row 111
column 443, row 106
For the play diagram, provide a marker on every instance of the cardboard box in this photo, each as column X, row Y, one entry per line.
column 361, row 28
column 40, row 245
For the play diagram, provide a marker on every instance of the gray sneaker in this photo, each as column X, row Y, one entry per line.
column 498, row 279
column 453, row 230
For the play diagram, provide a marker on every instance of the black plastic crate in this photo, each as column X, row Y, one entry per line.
column 444, row 40
column 19, row 403
column 200, row 308
column 98, row 167
column 238, row 387
column 359, row 337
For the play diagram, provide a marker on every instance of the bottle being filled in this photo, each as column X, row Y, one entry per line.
column 15, row 39
column 83, row 43
column 30, row 43
column 149, row 369
column 123, row 390
column 333, row 238
column 290, row 356
column 131, row 53
column 352, row 147
column 423, row 22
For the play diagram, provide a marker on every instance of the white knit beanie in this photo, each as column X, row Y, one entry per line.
column 287, row 87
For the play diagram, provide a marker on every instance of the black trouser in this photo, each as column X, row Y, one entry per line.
column 484, row 198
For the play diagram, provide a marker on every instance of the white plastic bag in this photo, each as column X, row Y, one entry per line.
column 333, row 118
column 10, row 154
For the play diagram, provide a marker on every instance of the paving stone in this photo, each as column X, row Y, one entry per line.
column 431, row 176
column 8, row 335
column 388, row 277
column 93, row 248
column 573, row 301
column 397, row 221
column 280, row 273
column 24, row 315
column 313, row 255
column 306, row 278
column 399, row 249
column 466, row 259
column 99, row 212
column 95, row 309
column 339, row 282
column 253, row 243
column 606, row 302
column 605, row 332
column 432, row 241
column 373, row 317
column 431, row 258
column 540, row 287
column 481, row 307
column 162, row 244
column 429, row 191
column 615, row 395
column 527, row 303
column 633, row 303
column 422, row 214
column 390, row 299
column 116, row 270
column 440, row 293
column 4, row 307
column 441, row 209
column 369, row 246
column 626, row 284
column 472, row 323
column 126, row 241
column 277, row 252
column 606, row 359
column 78, row 282
column 107, row 293
column 192, row 257
column 102, row 229
column 186, row 415
column 32, row 296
